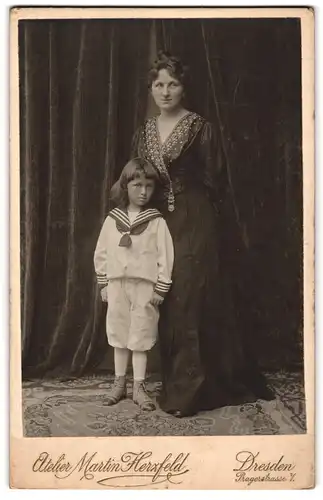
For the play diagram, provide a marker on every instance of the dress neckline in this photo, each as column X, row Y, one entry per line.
column 177, row 124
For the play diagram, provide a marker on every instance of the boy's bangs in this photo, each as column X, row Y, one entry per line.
column 147, row 171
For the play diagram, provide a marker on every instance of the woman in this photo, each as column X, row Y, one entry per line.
column 203, row 366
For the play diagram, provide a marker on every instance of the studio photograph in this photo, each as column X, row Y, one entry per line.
column 161, row 226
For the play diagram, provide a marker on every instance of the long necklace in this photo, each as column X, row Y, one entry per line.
column 154, row 152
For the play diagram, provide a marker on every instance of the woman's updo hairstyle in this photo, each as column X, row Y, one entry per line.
column 172, row 64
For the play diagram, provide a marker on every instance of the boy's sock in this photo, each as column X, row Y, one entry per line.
column 139, row 364
column 121, row 357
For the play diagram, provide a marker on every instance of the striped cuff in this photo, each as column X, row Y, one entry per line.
column 102, row 280
column 162, row 288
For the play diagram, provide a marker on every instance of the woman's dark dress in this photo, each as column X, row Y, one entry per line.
column 204, row 364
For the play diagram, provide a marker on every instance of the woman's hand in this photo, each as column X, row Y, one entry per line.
column 156, row 299
column 104, row 294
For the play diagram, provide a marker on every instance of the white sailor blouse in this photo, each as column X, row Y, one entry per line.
column 142, row 250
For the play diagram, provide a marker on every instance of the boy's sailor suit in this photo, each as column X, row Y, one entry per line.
column 133, row 258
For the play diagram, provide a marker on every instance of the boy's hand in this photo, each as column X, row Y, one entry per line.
column 156, row 299
column 104, row 294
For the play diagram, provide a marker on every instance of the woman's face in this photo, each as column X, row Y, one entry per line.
column 167, row 91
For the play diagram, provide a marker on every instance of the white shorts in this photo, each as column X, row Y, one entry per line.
column 132, row 320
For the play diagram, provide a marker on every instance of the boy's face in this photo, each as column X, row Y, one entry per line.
column 140, row 191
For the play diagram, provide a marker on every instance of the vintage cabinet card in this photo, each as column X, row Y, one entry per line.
column 162, row 333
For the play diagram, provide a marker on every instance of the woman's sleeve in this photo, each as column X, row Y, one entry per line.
column 165, row 258
column 212, row 157
column 100, row 255
column 218, row 180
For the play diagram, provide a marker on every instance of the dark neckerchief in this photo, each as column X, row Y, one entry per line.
column 138, row 226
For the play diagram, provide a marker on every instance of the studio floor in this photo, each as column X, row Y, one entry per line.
column 73, row 408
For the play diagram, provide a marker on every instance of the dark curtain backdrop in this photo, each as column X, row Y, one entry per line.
column 83, row 93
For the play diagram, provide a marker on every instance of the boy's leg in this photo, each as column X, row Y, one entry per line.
column 119, row 389
column 118, row 314
column 140, row 396
column 142, row 337
column 139, row 364
column 121, row 357
column 118, row 321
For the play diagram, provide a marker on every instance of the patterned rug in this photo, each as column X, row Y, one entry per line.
column 74, row 408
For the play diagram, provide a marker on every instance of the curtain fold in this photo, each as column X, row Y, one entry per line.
column 75, row 77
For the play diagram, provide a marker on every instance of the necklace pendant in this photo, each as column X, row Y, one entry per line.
column 171, row 207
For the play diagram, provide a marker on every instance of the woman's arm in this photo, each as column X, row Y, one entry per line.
column 214, row 166
column 218, row 180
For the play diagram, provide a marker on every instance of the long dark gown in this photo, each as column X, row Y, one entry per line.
column 204, row 361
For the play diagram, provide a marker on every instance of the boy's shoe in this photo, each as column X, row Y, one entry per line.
column 141, row 398
column 117, row 392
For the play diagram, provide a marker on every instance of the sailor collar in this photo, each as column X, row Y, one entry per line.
column 138, row 226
